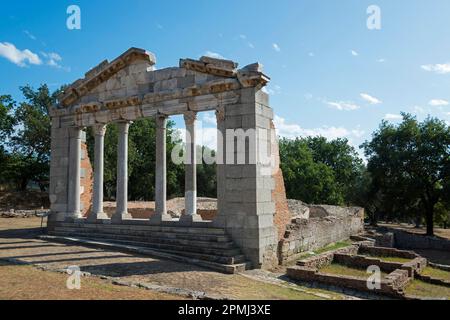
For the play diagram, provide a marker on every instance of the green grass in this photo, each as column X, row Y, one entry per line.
column 390, row 259
column 331, row 247
column 340, row 269
column 426, row 290
column 436, row 273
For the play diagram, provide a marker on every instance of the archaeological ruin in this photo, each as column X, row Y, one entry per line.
column 253, row 226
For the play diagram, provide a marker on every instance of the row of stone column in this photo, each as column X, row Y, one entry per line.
column 121, row 213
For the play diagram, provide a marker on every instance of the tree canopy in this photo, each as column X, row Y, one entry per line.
column 409, row 164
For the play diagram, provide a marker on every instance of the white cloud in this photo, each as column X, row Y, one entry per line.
column 437, row 68
column 419, row 110
column 292, row 131
column 276, row 47
column 209, row 118
column 213, row 55
column 438, row 102
column 343, row 105
column 370, row 99
column 30, row 35
column 391, row 116
column 354, row 53
column 272, row 90
column 381, row 60
column 18, row 57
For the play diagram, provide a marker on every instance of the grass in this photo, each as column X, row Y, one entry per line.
column 21, row 282
column 331, row 247
column 426, row 290
column 340, row 269
column 436, row 273
column 390, row 259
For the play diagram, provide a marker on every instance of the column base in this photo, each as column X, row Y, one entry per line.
column 94, row 217
column 118, row 218
column 187, row 220
column 72, row 216
column 157, row 219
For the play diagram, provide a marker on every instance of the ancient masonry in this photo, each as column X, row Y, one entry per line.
column 252, row 211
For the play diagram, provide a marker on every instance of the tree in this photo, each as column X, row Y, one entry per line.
column 410, row 163
column 305, row 179
column 30, row 143
column 343, row 159
column 141, row 161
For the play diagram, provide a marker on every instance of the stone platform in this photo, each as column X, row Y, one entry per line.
column 200, row 243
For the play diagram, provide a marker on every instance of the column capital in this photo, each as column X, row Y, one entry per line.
column 124, row 126
column 190, row 117
column 99, row 129
column 75, row 132
column 161, row 121
column 220, row 114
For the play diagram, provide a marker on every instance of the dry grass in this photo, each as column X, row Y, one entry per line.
column 426, row 290
column 436, row 273
column 340, row 269
column 390, row 259
column 19, row 282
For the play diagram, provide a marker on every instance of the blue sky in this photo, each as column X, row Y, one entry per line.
column 330, row 74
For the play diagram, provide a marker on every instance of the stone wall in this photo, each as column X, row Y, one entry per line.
column 326, row 225
column 282, row 213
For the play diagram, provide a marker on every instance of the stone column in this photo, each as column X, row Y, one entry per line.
column 74, row 187
column 97, row 205
column 161, row 172
column 190, row 194
column 122, row 174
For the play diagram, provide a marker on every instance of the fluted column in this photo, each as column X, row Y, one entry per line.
column 161, row 172
column 190, row 194
column 122, row 173
column 97, row 202
column 74, row 186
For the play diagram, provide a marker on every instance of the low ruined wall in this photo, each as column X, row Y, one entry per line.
column 395, row 281
column 407, row 240
column 335, row 224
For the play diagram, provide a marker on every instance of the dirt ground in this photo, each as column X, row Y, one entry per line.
column 443, row 233
column 18, row 245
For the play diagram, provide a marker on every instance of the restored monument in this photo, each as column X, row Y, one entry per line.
column 252, row 213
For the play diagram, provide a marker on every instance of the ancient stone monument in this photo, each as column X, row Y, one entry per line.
column 252, row 213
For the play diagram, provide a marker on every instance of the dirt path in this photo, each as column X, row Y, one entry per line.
column 19, row 245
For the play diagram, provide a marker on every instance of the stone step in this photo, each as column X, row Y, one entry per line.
column 144, row 227
column 225, row 268
column 145, row 233
column 146, row 238
column 161, row 246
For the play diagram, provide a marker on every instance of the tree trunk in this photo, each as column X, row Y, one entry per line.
column 430, row 221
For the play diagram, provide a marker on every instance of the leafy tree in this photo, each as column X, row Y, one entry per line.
column 410, row 164
column 305, row 179
column 343, row 159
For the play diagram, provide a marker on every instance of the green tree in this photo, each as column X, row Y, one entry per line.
column 343, row 159
column 305, row 179
column 410, row 164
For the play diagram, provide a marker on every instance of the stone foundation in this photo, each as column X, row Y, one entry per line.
column 326, row 225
